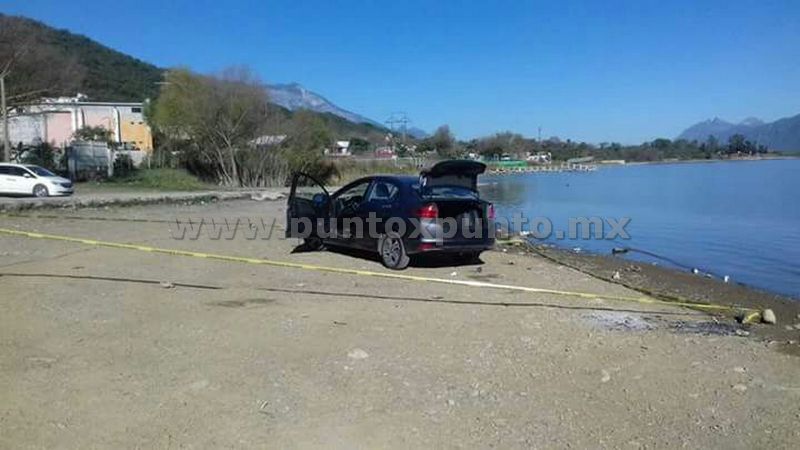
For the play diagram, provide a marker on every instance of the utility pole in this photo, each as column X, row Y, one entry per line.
column 6, row 140
column 399, row 119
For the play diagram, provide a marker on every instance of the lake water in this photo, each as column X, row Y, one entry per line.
column 740, row 219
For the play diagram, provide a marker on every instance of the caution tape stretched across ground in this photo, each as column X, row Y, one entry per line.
column 751, row 314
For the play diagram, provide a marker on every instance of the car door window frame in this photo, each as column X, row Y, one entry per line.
column 339, row 208
column 392, row 195
column 18, row 172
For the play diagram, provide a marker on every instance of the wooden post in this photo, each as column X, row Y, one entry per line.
column 6, row 140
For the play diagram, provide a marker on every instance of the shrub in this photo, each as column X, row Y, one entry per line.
column 123, row 166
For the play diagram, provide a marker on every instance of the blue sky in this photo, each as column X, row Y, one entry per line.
column 595, row 71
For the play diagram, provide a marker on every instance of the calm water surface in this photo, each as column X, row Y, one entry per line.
column 740, row 219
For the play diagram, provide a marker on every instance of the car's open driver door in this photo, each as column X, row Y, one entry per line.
column 308, row 202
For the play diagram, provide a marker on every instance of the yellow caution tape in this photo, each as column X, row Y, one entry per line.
column 753, row 317
column 90, row 218
column 396, row 276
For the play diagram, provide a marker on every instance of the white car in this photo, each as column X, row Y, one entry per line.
column 24, row 179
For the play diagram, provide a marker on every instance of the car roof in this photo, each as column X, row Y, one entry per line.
column 402, row 179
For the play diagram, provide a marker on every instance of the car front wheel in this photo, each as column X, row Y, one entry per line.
column 393, row 252
column 40, row 190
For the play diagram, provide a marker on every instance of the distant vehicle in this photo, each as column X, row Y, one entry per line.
column 24, row 179
column 442, row 203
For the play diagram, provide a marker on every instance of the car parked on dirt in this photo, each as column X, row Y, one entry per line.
column 25, row 179
column 396, row 216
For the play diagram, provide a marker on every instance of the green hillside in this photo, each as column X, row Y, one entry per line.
column 108, row 75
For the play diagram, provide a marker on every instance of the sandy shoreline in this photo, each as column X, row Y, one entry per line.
column 670, row 283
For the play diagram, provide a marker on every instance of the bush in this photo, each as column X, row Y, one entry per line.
column 123, row 166
column 161, row 179
column 350, row 169
column 40, row 155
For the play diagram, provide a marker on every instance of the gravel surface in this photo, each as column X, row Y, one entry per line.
column 118, row 348
column 111, row 197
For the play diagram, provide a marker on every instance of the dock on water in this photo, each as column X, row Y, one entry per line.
column 550, row 168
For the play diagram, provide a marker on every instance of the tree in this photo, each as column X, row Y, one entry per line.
column 737, row 144
column 30, row 69
column 443, row 142
column 41, row 154
column 712, row 144
column 220, row 115
column 305, row 146
column 503, row 143
column 359, row 145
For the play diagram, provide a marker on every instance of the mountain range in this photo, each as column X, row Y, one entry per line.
column 294, row 96
column 782, row 134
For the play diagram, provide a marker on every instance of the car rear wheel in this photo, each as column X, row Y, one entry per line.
column 313, row 243
column 393, row 252
column 471, row 257
column 40, row 190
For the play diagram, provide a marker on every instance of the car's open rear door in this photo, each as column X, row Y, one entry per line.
column 309, row 200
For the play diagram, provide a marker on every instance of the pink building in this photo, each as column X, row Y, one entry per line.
column 56, row 121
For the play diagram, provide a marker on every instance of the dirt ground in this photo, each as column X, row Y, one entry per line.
column 119, row 348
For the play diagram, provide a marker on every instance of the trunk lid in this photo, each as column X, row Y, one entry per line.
column 452, row 174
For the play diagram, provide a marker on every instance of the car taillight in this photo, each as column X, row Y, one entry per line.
column 490, row 211
column 429, row 211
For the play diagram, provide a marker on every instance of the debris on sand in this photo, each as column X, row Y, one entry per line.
column 266, row 196
column 357, row 353
column 167, row 285
column 619, row 321
column 768, row 316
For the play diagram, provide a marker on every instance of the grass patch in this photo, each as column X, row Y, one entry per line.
column 154, row 179
column 349, row 170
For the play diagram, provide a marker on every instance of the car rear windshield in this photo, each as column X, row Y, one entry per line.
column 41, row 171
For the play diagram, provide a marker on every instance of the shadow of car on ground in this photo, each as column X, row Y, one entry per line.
column 431, row 261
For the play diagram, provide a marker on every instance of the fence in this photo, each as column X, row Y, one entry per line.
column 89, row 161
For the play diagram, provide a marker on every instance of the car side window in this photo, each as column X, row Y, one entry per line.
column 4, row 170
column 383, row 191
column 17, row 171
column 352, row 197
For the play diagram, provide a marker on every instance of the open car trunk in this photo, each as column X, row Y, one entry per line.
column 458, row 208
column 453, row 186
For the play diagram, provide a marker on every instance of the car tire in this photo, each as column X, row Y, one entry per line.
column 313, row 243
column 392, row 252
column 472, row 257
column 40, row 190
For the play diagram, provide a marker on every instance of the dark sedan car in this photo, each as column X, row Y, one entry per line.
column 396, row 216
